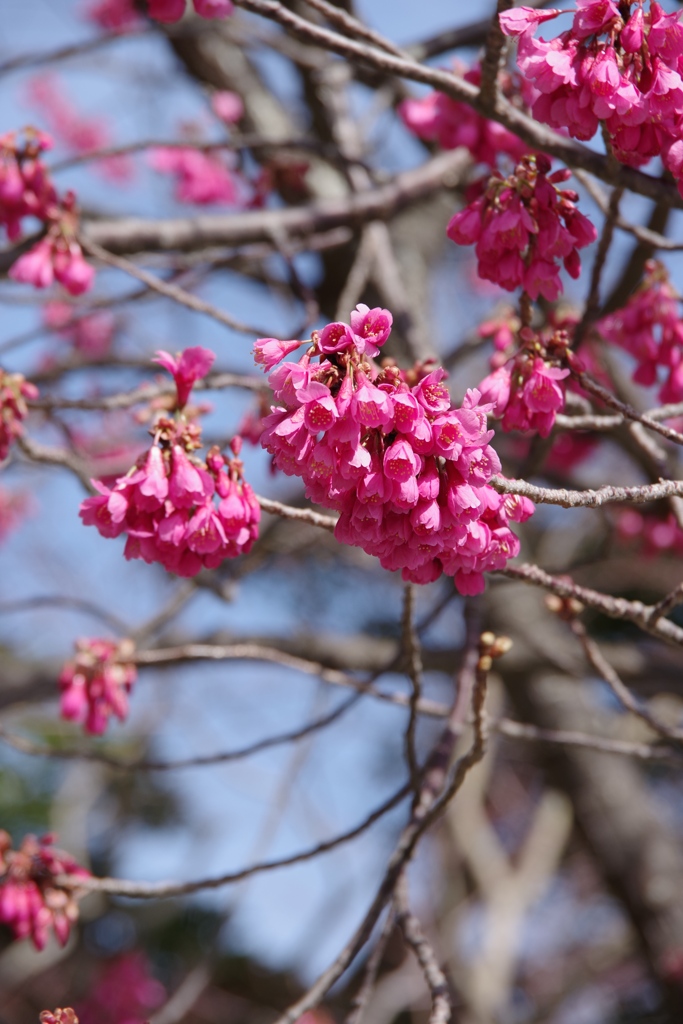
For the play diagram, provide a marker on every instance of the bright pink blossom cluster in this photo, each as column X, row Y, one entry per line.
column 165, row 503
column 408, row 472
column 26, row 190
column 649, row 327
column 525, row 392
column 201, row 178
column 522, row 225
column 124, row 993
column 122, row 15
column 91, row 334
column 31, row 902
column 619, row 65
column 77, row 132
column 96, row 685
column 438, row 118
column 650, row 533
column 14, row 390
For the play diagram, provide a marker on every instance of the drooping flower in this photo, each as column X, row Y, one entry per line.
column 95, row 686
column 522, row 226
column 14, row 391
column 166, row 503
column 408, row 473
column 31, row 900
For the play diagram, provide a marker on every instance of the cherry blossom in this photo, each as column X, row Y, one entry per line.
column 619, row 65
column 438, row 118
column 407, row 471
column 31, row 901
column 96, row 685
column 649, row 327
column 14, row 391
column 522, row 226
column 176, row 509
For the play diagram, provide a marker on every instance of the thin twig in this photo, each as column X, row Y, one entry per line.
column 593, row 388
column 667, row 604
column 608, row 494
column 614, row 607
column 592, row 306
column 413, row 655
column 618, row 687
column 163, row 890
column 362, row 997
column 170, row 291
column 437, row 983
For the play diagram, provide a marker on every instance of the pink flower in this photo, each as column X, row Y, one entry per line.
column 407, row 472
column 186, row 368
column 228, row 106
column 268, row 352
column 97, row 683
column 14, row 392
column 371, row 328
column 213, row 8
column 521, row 19
column 335, row 338
column 113, row 15
column 31, row 901
column 593, row 16
column 35, row 266
column 72, row 271
column 166, row 10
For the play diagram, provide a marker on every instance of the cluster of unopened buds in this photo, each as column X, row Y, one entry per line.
column 522, row 225
column 14, row 391
column 618, row 65
column 439, row 118
column 96, row 685
column 26, row 190
column 165, row 502
column 408, row 473
column 31, row 901
column 123, row 15
column 649, row 327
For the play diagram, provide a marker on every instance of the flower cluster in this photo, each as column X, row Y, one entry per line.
column 438, row 118
column 165, row 503
column 31, row 902
column 124, row 993
column 91, row 334
column 522, row 225
column 525, row 392
column 201, row 178
column 14, row 507
column 619, row 65
column 408, row 472
column 14, row 390
column 650, row 533
column 26, row 190
column 97, row 683
column 78, row 133
column 650, row 329
column 122, row 15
